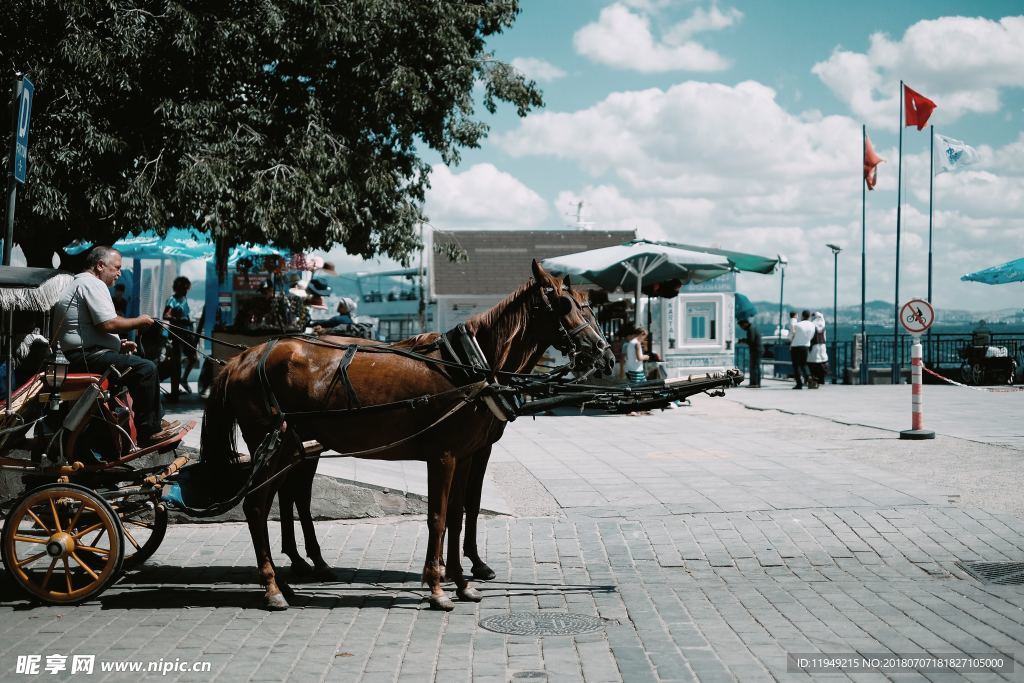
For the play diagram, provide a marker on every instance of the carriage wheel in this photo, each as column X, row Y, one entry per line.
column 977, row 374
column 62, row 544
column 144, row 523
column 971, row 373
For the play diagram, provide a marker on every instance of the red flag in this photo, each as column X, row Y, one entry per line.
column 871, row 160
column 917, row 108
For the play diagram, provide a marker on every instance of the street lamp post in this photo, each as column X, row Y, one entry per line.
column 835, row 311
column 782, row 286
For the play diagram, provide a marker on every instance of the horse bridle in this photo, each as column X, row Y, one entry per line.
column 567, row 340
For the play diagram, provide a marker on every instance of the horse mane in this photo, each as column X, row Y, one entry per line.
column 506, row 322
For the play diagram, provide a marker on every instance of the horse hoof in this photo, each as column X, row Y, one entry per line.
column 275, row 602
column 442, row 602
column 325, row 573
column 469, row 594
column 301, row 568
column 482, row 572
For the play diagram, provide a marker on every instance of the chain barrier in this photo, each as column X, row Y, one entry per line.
column 992, row 390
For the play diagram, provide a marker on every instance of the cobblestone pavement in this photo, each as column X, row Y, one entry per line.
column 710, row 540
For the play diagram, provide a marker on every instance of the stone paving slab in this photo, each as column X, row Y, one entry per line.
column 977, row 414
column 711, row 541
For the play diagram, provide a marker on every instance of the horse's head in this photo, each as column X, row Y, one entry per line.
column 574, row 330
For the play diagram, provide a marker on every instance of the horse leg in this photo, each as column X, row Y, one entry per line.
column 303, row 496
column 257, row 507
column 440, row 471
column 474, row 490
column 288, row 495
column 463, row 589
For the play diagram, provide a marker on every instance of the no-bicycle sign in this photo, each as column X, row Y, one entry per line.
column 916, row 316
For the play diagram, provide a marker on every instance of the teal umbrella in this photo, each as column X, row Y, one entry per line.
column 745, row 310
column 179, row 244
column 999, row 275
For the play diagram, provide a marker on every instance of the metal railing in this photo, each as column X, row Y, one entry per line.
column 940, row 351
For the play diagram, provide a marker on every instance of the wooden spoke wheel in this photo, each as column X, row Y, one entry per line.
column 144, row 523
column 972, row 373
column 62, row 544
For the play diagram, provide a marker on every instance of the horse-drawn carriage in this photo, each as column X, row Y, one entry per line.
column 88, row 509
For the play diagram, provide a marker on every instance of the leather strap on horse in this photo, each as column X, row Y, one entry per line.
column 468, row 361
column 474, row 391
column 342, row 373
column 269, row 400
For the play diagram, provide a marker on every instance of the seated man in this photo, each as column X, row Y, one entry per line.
column 344, row 317
column 86, row 325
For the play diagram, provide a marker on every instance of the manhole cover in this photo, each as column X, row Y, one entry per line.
column 541, row 624
column 1003, row 573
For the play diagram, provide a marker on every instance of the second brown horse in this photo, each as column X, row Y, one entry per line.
column 419, row 412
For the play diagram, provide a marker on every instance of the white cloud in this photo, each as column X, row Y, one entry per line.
column 962, row 63
column 482, row 197
column 623, row 39
column 712, row 19
column 538, row 69
column 726, row 165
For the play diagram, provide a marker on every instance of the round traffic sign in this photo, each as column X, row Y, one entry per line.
column 916, row 316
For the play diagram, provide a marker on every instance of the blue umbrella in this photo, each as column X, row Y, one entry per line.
column 998, row 275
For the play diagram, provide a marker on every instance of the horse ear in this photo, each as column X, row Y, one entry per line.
column 567, row 283
column 539, row 274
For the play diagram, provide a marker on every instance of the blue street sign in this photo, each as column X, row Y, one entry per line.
column 25, row 92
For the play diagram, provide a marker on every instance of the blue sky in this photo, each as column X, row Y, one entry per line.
column 737, row 124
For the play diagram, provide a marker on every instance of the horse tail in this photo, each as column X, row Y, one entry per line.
column 217, row 445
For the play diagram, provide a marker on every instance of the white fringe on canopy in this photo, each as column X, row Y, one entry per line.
column 41, row 298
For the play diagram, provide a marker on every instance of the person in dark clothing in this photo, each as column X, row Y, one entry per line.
column 182, row 341
column 120, row 300
column 753, row 342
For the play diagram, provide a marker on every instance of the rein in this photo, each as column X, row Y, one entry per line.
column 555, row 373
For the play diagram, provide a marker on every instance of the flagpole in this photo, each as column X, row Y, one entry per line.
column 899, row 209
column 931, row 186
column 863, row 261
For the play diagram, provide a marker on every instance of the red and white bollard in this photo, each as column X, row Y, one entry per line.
column 917, row 430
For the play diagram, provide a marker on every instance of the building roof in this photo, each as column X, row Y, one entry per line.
column 499, row 260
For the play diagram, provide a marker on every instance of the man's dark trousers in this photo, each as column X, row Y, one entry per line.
column 755, row 367
column 800, row 367
column 140, row 376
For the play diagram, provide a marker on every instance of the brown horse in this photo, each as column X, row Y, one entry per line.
column 398, row 402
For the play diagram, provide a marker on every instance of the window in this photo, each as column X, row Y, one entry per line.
column 701, row 322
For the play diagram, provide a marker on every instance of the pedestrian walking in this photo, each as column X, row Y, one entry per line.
column 183, row 341
column 753, row 342
column 817, row 357
column 799, row 347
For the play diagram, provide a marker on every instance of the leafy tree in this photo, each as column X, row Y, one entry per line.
column 300, row 122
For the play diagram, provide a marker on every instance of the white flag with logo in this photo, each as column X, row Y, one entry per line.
column 951, row 154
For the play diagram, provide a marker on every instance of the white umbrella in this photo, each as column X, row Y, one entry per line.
column 630, row 265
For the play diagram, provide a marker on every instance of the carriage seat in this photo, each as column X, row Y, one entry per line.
column 22, row 395
column 74, row 385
